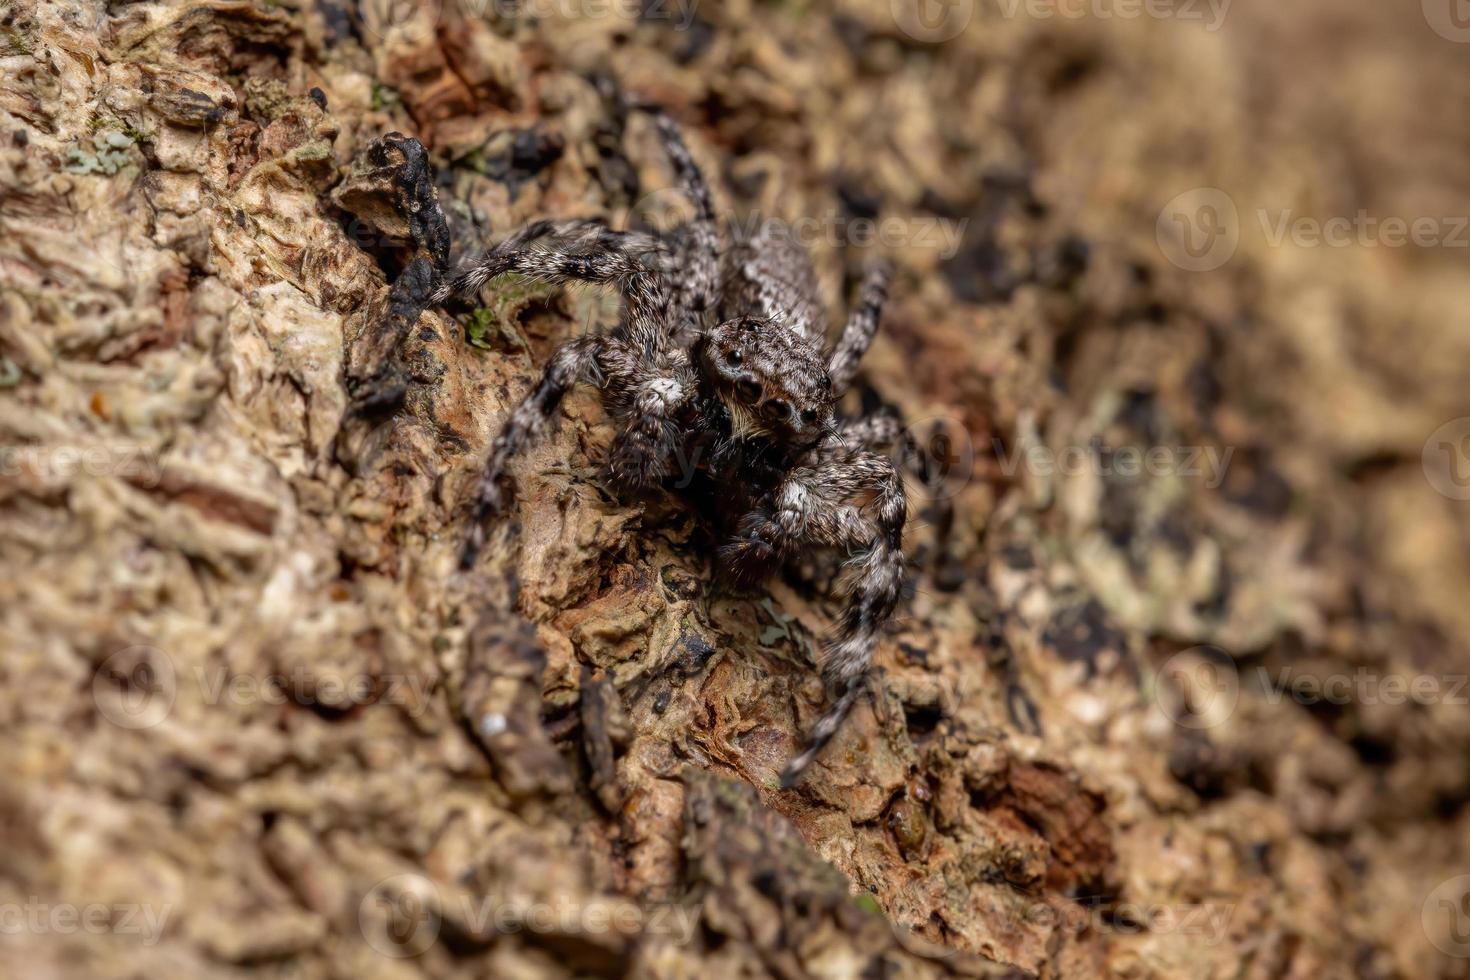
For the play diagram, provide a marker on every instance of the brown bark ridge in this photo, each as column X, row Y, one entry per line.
column 259, row 722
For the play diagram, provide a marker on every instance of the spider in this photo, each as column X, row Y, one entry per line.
column 719, row 364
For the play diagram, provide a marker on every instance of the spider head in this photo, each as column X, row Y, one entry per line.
column 773, row 383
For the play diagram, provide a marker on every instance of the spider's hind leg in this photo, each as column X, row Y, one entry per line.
column 862, row 325
column 817, row 505
column 692, row 267
column 695, row 271
column 926, row 461
column 871, row 588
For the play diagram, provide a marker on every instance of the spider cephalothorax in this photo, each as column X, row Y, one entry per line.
column 719, row 368
column 773, row 383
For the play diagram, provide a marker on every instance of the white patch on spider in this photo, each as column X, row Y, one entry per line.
column 660, row 394
column 795, row 497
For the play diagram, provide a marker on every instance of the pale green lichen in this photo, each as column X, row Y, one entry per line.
column 384, row 97
column 499, row 318
column 266, row 98
column 315, row 150
column 109, row 154
column 478, row 326
column 15, row 42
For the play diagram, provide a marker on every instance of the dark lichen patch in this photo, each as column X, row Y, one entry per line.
column 1082, row 632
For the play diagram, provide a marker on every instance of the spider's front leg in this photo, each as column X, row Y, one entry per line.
column 640, row 374
column 583, row 250
column 849, row 499
column 639, row 395
column 645, row 398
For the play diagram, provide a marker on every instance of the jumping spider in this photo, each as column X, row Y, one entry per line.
column 720, row 358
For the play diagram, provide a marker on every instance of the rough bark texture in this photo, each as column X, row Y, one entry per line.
column 250, row 699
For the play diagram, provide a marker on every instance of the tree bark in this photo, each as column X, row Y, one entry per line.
column 260, row 718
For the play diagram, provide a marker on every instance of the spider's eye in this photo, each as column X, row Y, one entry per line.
column 809, row 416
column 733, row 358
column 777, row 409
column 750, row 325
column 748, row 391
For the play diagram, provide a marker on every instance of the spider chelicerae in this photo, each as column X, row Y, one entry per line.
column 719, row 365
